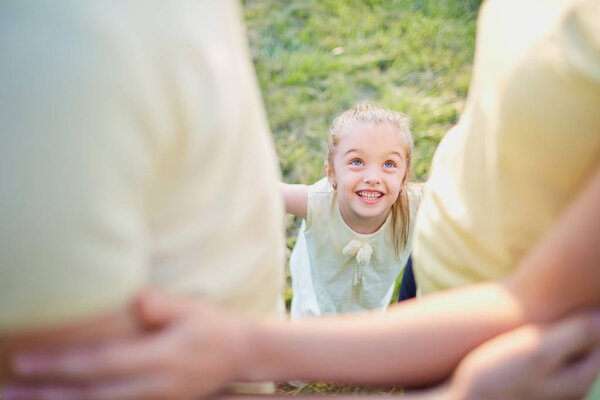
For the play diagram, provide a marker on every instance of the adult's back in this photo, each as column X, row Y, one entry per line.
column 134, row 151
column 526, row 144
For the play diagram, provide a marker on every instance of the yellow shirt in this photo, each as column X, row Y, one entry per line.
column 527, row 142
column 134, row 151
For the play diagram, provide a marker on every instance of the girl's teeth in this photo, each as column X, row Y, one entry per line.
column 370, row 196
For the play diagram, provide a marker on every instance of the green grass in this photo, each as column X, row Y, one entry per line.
column 328, row 387
column 316, row 58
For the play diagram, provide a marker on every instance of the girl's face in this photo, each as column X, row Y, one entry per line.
column 369, row 168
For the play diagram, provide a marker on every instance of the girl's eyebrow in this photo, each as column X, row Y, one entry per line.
column 390, row 153
column 352, row 151
column 397, row 153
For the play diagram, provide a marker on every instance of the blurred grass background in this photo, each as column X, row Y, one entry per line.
column 316, row 58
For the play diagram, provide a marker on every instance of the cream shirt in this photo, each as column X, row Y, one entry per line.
column 527, row 142
column 134, row 151
column 334, row 269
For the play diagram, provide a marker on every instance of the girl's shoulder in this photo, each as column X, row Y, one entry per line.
column 415, row 191
column 321, row 199
column 322, row 186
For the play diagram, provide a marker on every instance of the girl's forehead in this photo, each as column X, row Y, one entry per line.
column 365, row 127
column 368, row 133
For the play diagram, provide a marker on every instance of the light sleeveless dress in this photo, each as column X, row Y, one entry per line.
column 336, row 270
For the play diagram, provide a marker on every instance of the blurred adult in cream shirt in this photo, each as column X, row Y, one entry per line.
column 527, row 143
column 134, row 152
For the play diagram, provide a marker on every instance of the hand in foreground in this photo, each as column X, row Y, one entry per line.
column 557, row 362
column 182, row 356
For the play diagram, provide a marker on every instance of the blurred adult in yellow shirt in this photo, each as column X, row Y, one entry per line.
column 134, row 152
column 525, row 146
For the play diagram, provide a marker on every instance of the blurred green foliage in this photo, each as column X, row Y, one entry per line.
column 316, row 58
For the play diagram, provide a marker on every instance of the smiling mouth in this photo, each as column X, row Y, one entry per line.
column 368, row 195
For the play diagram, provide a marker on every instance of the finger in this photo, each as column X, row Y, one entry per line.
column 33, row 393
column 155, row 308
column 131, row 357
column 575, row 379
column 147, row 388
column 569, row 338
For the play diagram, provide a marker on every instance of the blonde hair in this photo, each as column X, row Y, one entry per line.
column 369, row 113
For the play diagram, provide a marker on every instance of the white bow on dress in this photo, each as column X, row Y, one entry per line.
column 363, row 252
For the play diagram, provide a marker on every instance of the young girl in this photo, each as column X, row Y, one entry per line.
column 358, row 221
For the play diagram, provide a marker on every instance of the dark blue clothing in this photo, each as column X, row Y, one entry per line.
column 408, row 286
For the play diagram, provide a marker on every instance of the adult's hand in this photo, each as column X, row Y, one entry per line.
column 557, row 362
column 118, row 323
column 184, row 355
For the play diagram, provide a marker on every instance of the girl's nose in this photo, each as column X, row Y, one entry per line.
column 371, row 177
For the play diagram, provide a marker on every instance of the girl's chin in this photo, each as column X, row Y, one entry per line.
column 370, row 208
column 375, row 215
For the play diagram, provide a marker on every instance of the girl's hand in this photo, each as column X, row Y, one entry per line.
column 546, row 363
column 185, row 354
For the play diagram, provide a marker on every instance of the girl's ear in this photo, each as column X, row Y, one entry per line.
column 330, row 175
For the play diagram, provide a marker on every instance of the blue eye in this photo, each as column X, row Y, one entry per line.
column 389, row 164
column 356, row 162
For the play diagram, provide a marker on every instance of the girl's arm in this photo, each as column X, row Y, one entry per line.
column 295, row 198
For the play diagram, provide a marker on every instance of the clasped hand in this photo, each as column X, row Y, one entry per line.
column 183, row 354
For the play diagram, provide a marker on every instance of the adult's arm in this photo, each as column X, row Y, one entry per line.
column 562, row 273
column 163, row 367
column 534, row 362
